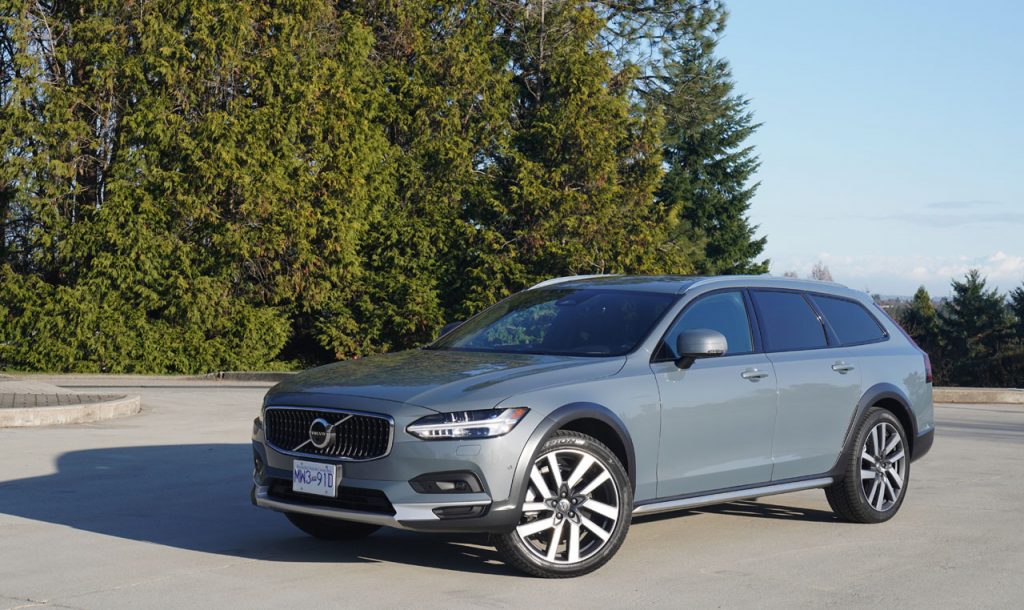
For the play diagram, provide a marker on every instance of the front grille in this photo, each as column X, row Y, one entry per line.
column 349, row 498
column 357, row 436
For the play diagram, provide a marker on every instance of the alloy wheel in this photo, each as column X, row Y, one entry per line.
column 571, row 508
column 883, row 466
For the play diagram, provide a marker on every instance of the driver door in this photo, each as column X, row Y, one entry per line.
column 718, row 415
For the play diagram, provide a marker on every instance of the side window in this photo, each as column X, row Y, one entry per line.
column 850, row 321
column 721, row 311
column 788, row 320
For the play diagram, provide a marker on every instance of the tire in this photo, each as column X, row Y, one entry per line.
column 331, row 529
column 576, row 511
column 876, row 471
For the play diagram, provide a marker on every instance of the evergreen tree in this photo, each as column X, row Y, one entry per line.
column 921, row 321
column 976, row 330
column 1017, row 307
column 446, row 116
column 710, row 165
column 193, row 185
column 1016, row 357
column 186, row 197
column 575, row 186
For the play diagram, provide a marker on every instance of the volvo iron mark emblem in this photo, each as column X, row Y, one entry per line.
column 321, row 433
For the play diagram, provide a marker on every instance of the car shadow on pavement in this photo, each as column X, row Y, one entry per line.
column 196, row 497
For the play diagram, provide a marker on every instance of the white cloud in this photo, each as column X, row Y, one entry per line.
column 901, row 275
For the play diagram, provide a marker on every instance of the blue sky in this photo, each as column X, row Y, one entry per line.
column 892, row 148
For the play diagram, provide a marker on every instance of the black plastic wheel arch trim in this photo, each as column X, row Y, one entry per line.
column 504, row 515
column 874, row 394
column 554, row 422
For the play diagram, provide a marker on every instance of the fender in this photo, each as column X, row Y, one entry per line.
column 548, row 426
column 877, row 392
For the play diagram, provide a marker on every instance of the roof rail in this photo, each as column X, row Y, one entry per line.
column 712, row 279
column 569, row 278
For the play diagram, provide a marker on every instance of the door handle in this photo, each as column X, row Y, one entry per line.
column 753, row 375
column 842, row 368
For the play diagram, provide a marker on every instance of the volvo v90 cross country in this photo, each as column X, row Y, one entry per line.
column 554, row 416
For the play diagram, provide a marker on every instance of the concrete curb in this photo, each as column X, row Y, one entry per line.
column 122, row 406
column 273, row 376
column 1005, row 396
column 108, row 380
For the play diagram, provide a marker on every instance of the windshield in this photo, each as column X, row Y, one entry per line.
column 562, row 321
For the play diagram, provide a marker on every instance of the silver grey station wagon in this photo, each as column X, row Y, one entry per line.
column 552, row 418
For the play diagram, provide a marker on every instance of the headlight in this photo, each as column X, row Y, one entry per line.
column 467, row 424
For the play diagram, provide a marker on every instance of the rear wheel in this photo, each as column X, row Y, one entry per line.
column 576, row 512
column 877, row 471
column 331, row 529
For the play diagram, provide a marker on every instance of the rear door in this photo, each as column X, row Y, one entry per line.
column 819, row 383
column 718, row 415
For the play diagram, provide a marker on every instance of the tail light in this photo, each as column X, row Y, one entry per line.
column 927, row 365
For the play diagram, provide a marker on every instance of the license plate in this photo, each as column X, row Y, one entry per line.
column 316, row 478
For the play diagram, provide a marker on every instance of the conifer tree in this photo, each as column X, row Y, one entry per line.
column 187, row 197
column 193, row 185
column 1016, row 356
column 1017, row 307
column 710, row 163
column 575, row 186
column 921, row 321
column 445, row 113
column 976, row 330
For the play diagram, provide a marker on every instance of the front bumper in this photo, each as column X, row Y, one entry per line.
column 417, row 516
column 493, row 461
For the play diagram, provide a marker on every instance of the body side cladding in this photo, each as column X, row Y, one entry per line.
column 730, row 494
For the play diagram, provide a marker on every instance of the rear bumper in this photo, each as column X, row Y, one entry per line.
column 923, row 444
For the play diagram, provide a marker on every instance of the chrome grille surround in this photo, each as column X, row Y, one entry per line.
column 361, row 436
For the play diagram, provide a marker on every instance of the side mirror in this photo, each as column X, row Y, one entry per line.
column 449, row 327
column 699, row 343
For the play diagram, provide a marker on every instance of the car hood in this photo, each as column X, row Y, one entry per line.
column 442, row 380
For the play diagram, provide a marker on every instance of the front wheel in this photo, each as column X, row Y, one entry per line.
column 877, row 471
column 576, row 511
column 331, row 529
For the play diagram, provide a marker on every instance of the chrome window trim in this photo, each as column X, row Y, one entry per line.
column 885, row 332
column 329, row 458
column 755, row 339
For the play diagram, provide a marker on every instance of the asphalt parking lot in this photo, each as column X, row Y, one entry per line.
column 153, row 511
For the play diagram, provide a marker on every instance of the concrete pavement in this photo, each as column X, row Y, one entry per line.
column 153, row 511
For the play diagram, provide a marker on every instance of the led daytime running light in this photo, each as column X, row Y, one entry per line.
column 467, row 424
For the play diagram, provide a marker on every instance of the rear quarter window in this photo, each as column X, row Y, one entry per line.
column 850, row 321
